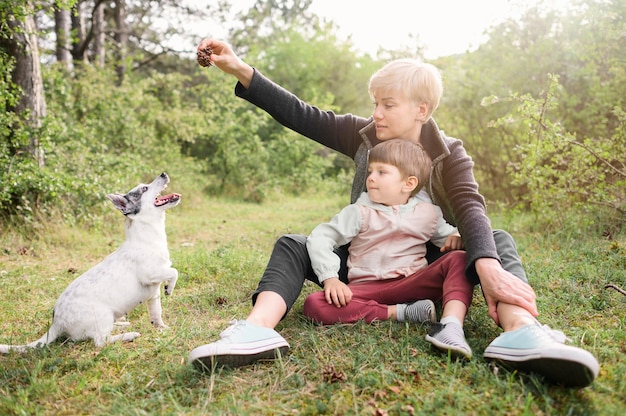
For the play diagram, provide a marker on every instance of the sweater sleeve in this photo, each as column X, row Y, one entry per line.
column 324, row 238
column 338, row 132
column 464, row 206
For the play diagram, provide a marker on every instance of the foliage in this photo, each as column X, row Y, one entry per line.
column 562, row 173
column 171, row 114
column 96, row 136
column 99, row 134
column 583, row 46
column 297, row 51
column 23, row 184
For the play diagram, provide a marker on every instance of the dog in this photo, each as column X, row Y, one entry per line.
column 93, row 303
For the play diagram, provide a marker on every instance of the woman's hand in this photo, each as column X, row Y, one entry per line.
column 498, row 285
column 223, row 57
column 337, row 292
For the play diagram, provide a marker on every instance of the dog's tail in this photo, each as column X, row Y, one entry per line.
column 48, row 338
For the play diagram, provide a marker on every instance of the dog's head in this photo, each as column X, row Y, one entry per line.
column 145, row 198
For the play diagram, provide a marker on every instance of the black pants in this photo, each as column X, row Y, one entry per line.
column 289, row 265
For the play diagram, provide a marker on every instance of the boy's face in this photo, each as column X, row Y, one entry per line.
column 385, row 185
column 397, row 117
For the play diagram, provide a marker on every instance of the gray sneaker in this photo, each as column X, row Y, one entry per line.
column 450, row 338
column 242, row 343
column 422, row 311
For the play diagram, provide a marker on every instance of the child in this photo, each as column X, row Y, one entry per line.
column 387, row 229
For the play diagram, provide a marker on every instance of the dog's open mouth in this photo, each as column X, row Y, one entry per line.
column 166, row 199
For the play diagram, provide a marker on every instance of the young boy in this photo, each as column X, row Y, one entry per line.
column 387, row 229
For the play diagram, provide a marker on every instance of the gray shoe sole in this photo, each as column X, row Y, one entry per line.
column 208, row 363
column 455, row 352
column 570, row 368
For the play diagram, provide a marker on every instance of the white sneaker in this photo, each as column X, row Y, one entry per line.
column 242, row 343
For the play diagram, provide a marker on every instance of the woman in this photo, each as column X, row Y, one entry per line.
column 406, row 94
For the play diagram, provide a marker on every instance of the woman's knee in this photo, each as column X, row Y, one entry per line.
column 509, row 257
column 503, row 238
column 291, row 242
column 290, row 254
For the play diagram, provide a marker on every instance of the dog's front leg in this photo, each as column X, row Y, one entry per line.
column 155, row 310
column 171, row 282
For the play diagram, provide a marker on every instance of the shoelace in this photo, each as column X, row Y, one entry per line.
column 235, row 326
column 556, row 335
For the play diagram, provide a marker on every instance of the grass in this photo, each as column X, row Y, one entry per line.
column 220, row 248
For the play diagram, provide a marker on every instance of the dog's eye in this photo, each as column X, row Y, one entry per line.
column 144, row 189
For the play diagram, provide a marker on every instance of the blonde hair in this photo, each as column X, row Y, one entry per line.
column 416, row 80
column 410, row 158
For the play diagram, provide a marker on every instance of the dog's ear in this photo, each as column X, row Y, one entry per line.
column 120, row 202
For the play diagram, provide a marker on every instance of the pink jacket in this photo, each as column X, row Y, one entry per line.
column 386, row 242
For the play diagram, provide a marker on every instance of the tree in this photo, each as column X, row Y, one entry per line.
column 80, row 40
column 540, row 108
column 121, row 38
column 63, row 27
column 19, row 41
column 583, row 46
column 99, row 50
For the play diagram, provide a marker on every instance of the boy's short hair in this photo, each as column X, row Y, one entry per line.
column 410, row 158
column 416, row 80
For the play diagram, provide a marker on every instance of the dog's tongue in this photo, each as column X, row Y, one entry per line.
column 162, row 200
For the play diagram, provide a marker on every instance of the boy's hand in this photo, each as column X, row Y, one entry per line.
column 453, row 242
column 337, row 292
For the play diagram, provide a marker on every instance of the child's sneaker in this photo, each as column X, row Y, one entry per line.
column 422, row 311
column 450, row 337
column 241, row 344
column 542, row 350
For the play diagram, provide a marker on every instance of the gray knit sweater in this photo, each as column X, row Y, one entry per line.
column 452, row 185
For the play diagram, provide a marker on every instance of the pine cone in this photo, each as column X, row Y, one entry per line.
column 204, row 57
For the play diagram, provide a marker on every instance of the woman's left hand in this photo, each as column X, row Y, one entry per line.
column 498, row 285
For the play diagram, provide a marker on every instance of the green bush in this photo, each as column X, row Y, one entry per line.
column 563, row 174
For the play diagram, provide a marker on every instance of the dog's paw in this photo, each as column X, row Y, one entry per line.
column 160, row 326
column 129, row 336
column 121, row 321
column 125, row 337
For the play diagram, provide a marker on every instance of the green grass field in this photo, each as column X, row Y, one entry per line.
column 220, row 249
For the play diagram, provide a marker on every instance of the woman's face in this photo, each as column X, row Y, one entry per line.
column 397, row 117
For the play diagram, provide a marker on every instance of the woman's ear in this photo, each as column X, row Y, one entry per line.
column 422, row 112
column 411, row 183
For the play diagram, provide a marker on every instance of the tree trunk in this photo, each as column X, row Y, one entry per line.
column 121, row 38
column 79, row 51
column 62, row 28
column 22, row 45
column 99, row 35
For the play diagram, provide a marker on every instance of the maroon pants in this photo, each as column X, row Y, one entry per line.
column 442, row 280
